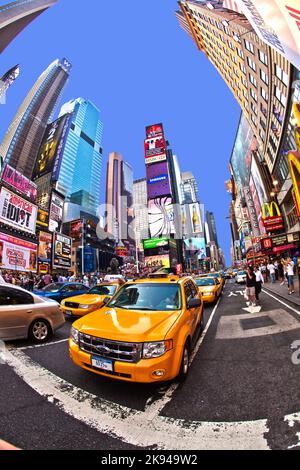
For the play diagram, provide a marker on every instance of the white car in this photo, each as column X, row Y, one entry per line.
column 241, row 277
column 25, row 315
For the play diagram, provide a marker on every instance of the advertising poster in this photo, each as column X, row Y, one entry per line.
column 17, row 254
column 161, row 217
column 76, row 230
column 19, row 182
column 52, row 148
column 257, row 205
column 42, row 218
column 158, row 181
column 159, row 261
column 196, row 244
column 156, row 243
column 45, row 247
column 155, row 150
column 154, row 131
column 258, row 182
column 16, row 212
column 62, row 252
column 56, row 213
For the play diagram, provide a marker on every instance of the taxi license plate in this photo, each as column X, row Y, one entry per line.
column 68, row 313
column 101, row 363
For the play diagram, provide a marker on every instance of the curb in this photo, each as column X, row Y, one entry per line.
column 288, row 299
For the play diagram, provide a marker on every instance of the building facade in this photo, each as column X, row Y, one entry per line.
column 140, row 205
column 21, row 144
column 15, row 16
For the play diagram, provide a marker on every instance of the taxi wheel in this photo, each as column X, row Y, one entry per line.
column 40, row 331
column 185, row 363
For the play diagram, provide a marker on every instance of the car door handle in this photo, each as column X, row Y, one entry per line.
column 29, row 311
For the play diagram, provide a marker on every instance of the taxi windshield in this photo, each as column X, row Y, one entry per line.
column 108, row 290
column 205, row 282
column 148, row 297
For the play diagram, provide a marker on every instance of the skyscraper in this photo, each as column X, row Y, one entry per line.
column 119, row 197
column 79, row 174
column 15, row 16
column 212, row 228
column 23, row 139
column 140, row 204
column 7, row 80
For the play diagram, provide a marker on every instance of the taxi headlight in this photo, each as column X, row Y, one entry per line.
column 156, row 349
column 84, row 306
column 75, row 335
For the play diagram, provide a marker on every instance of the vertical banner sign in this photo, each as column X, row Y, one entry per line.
column 56, row 213
column 252, row 212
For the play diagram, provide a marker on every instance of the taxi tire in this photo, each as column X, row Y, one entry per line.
column 185, row 363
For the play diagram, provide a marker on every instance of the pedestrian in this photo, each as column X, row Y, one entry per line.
column 251, row 285
column 281, row 272
column 30, row 283
column 259, row 282
column 272, row 271
column 290, row 274
column 47, row 279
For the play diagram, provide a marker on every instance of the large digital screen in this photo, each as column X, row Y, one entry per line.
column 161, row 217
column 16, row 212
column 155, row 149
column 196, row 244
column 52, row 147
column 19, row 182
column 159, row 261
column 56, row 213
column 156, row 243
column 154, row 131
column 17, row 255
column 158, row 181
column 62, row 252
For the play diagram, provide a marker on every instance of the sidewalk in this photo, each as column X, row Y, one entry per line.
column 282, row 291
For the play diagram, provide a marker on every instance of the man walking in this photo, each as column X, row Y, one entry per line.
column 272, row 271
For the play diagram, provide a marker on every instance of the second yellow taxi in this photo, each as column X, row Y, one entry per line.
column 210, row 288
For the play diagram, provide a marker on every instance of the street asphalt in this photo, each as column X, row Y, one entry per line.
column 241, row 375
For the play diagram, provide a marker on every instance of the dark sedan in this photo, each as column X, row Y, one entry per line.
column 62, row 290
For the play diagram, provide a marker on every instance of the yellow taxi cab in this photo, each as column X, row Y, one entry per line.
column 210, row 288
column 215, row 276
column 94, row 299
column 144, row 334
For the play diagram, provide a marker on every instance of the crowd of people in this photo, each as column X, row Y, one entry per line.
column 281, row 270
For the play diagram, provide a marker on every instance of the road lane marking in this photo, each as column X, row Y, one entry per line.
column 138, row 428
column 280, row 301
column 35, row 346
column 231, row 327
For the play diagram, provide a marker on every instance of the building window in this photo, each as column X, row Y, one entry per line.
column 240, row 53
column 264, row 94
column 253, row 94
column 264, row 110
column 280, row 96
column 252, row 80
column 249, row 46
column 251, row 64
column 262, row 135
column 264, row 77
column 254, row 108
column 263, row 57
column 243, row 68
column 272, row 143
column 263, row 124
column 253, row 119
column 281, row 75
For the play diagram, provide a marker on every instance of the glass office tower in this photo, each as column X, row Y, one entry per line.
column 79, row 177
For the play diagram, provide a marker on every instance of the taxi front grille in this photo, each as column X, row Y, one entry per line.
column 115, row 350
column 71, row 305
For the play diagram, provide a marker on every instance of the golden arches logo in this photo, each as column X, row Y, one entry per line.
column 268, row 210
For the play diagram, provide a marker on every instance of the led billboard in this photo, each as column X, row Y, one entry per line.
column 56, row 212
column 16, row 212
column 17, row 255
column 161, row 217
column 62, row 252
column 45, row 247
column 158, row 181
column 154, row 131
column 155, row 150
column 52, row 147
column 19, row 182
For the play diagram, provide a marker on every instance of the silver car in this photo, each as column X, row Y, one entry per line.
column 25, row 315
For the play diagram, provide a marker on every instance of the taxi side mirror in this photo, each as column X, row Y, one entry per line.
column 194, row 303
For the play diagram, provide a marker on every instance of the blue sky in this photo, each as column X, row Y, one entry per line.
column 139, row 67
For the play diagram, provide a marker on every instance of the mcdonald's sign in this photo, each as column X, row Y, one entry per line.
column 272, row 218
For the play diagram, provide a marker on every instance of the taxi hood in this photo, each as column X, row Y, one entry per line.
column 127, row 325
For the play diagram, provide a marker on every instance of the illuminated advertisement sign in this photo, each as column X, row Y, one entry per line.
column 196, row 244
column 62, row 252
column 155, row 243
column 191, row 219
column 16, row 212
column 257, row 205
column 56, row 213
column 252, row 211
column 45, row 247
column 272, row 218
column 76, row 230
column 159, row 261
column 17, row 255
column 42, row 218
column 154, row 131
column 19, row 182
column 161, row 217
column 158, row 180
column 155, row 150
column 52, row 148
column 276, row 22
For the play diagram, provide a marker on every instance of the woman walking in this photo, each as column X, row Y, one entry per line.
column 290, row 276
column 251, row 284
